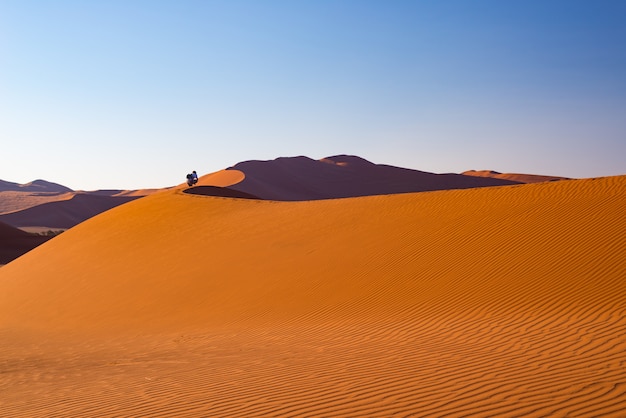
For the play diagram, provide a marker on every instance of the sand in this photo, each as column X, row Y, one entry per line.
column 502, row 301
column 518, row 177
column 13, row 201
column 302, row 178
column 63, row 214
column 15, row 242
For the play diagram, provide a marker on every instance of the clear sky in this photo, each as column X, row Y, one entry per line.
column 131, row 94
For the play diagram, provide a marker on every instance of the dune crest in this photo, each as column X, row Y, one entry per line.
column 302, row 178
column 505, row 301
column 67, row 212
column 222, row 178
column 521, row 178
column 36, row 186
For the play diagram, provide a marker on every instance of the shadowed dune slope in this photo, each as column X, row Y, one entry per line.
column 8, row 232
column 64, row 213
column 15, row 242
column 218, row 192
column 222, row 178
column 302, row 178
column 504, row 301
column 521, row 178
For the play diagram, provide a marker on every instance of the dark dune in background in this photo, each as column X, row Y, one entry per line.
column 522, row 178
column 302, row 178
column 15, row 242
column 218, row 192
column 65, row 213
column 41, row 186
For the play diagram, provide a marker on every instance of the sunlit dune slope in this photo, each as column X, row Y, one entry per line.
column 222, row 178
column 120, row 193
column 503, row 301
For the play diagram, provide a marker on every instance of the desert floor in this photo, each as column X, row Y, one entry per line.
column 505, row 301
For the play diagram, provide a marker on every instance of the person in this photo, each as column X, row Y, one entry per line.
column 192, row 178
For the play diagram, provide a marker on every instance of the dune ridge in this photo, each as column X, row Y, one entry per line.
column 302, row 178
column 15, row 242
column 504, row 301
column 66, row 212
column 36, row 186
column 12, row 201
column 518, row 177
column 21, row 202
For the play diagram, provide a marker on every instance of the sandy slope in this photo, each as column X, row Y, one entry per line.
column 65, row 213
column 520, row 178
column 36, row 186
column 505, row 301
column 15, row 242
column 222, row 178
column 302, row 178
column 24, row 197
column 12, row 201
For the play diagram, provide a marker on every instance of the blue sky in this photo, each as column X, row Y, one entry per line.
column 133, row 94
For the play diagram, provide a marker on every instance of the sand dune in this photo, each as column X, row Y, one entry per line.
column 16, row 197
column 15, row 242
column 520, row 178
column 64, row 213
column 503, row 301
column 37, row 186
column 12, row 201
column 136, row 193
column 302, row 178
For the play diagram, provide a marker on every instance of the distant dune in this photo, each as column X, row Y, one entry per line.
column 499, row 301
column 41, row 206
column 283, row 179
column 302, row 178
column 521, row 178
column 37, row 186
column 12, row 201
column 16, row 197
column 64, row 213
column 15, row 242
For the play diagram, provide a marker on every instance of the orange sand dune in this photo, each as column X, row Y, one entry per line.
column 137, row 193
column 504, row 301
column 222, row 178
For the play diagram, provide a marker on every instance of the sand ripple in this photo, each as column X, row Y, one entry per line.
column 507, row 301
